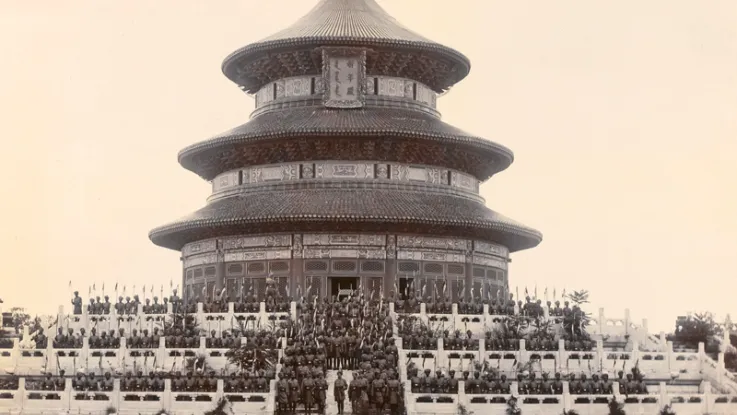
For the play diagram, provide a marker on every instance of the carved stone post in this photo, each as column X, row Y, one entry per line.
column 390, row 279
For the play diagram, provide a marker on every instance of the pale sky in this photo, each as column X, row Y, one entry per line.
column 622, row 116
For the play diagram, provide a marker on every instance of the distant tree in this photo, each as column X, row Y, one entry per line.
column 20, row 318
column 575, row 324
column 615, row 407
column 695, row 329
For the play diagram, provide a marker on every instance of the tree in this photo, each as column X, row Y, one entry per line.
column 20, row 318
column 692, row 330
column 616, row 408
column 667, row 410
column 576, row 322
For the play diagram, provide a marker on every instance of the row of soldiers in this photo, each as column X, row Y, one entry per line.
column 125, row 305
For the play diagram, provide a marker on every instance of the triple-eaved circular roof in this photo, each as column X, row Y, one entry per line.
column 346, row 23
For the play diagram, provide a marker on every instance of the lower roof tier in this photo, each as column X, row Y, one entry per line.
column 346, row 210
column 372, row 133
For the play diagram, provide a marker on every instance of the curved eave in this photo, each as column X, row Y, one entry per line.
column 461, row 65
column 360, row 123
column 346, row 210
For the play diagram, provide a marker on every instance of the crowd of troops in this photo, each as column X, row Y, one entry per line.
column 125, row 305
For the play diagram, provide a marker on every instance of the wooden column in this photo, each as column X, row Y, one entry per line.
column 469, row 275
column 297, row 279
column 390, row 270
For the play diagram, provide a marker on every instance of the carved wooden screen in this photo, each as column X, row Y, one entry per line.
column 456, row 287
column 315, row 284
column 281, row 285
column 374, row 288
column 210, row 289
column 231, row 289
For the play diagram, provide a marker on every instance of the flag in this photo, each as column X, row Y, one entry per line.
column 564, row 293
column 536, row 291
column 527, row 293
column 70, row 284
column 555, row 297
column 546, row 293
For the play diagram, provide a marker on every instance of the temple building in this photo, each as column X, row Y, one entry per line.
column 346, row 177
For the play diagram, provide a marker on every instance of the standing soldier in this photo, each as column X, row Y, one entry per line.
column 339, row 389
column 106, row 305
column 282, row 397
column 308, row 393
column 77, row 303
column 293, row 393
column 321, row 388
column 395, row 394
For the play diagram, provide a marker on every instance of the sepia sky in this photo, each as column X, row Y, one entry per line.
column 622, row 116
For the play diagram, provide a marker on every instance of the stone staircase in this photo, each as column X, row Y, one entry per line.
column 331, row 407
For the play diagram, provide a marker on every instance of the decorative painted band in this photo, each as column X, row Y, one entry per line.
column 345, row 170
column 309, row 87
column 286, row 246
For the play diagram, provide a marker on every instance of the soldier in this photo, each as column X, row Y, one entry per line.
column 60, row 381
column 179, row 384
column 378, row 387
column 49, row 384
column 147, row 309
column 293, row 393
column 94, row 341
column 155, row 307
column 557, row 384
column 504, row 385
column 77, row 303
column 106, row 305
column 91, row 307
column 394, row 392
column 164, row 306
column 321, row 386
column 120, row 306
column 546, row 386
column 607, row 385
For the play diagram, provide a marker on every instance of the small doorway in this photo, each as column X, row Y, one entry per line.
column 343, row 287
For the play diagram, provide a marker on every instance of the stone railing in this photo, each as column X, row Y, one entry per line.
column 659, row 365
column 140, row 321
column 686, row 404
column 71, row 401
column 121, row 359
column 620, row 330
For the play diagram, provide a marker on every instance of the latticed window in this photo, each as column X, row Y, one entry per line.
column 316, row 266
column 209, row 271
column 478, row 272
column 190, row 274
column 198, row 272
column 433, row 268
column 256, row 268
column 314, row 285
column 456, row 269
column 279, row 267
column 248, row 286
column 344, row 266
column 491, row 273
column 407, row 267
column 235, row 269
column 372, row 266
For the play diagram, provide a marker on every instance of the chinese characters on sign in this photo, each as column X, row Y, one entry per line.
column 344, row 77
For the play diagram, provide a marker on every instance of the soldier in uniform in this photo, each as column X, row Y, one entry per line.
column 282, row 395
column 293, row 393
column 378, row 387
column 91, row 307
column 395, row 394
column 120, row 306
column 77, row 303
column 105, row 306
column 321, row 389
column 557, row 384
column 607, row 386
column 308, row 393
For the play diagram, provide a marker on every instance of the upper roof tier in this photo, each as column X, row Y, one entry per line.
column 393, row 49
